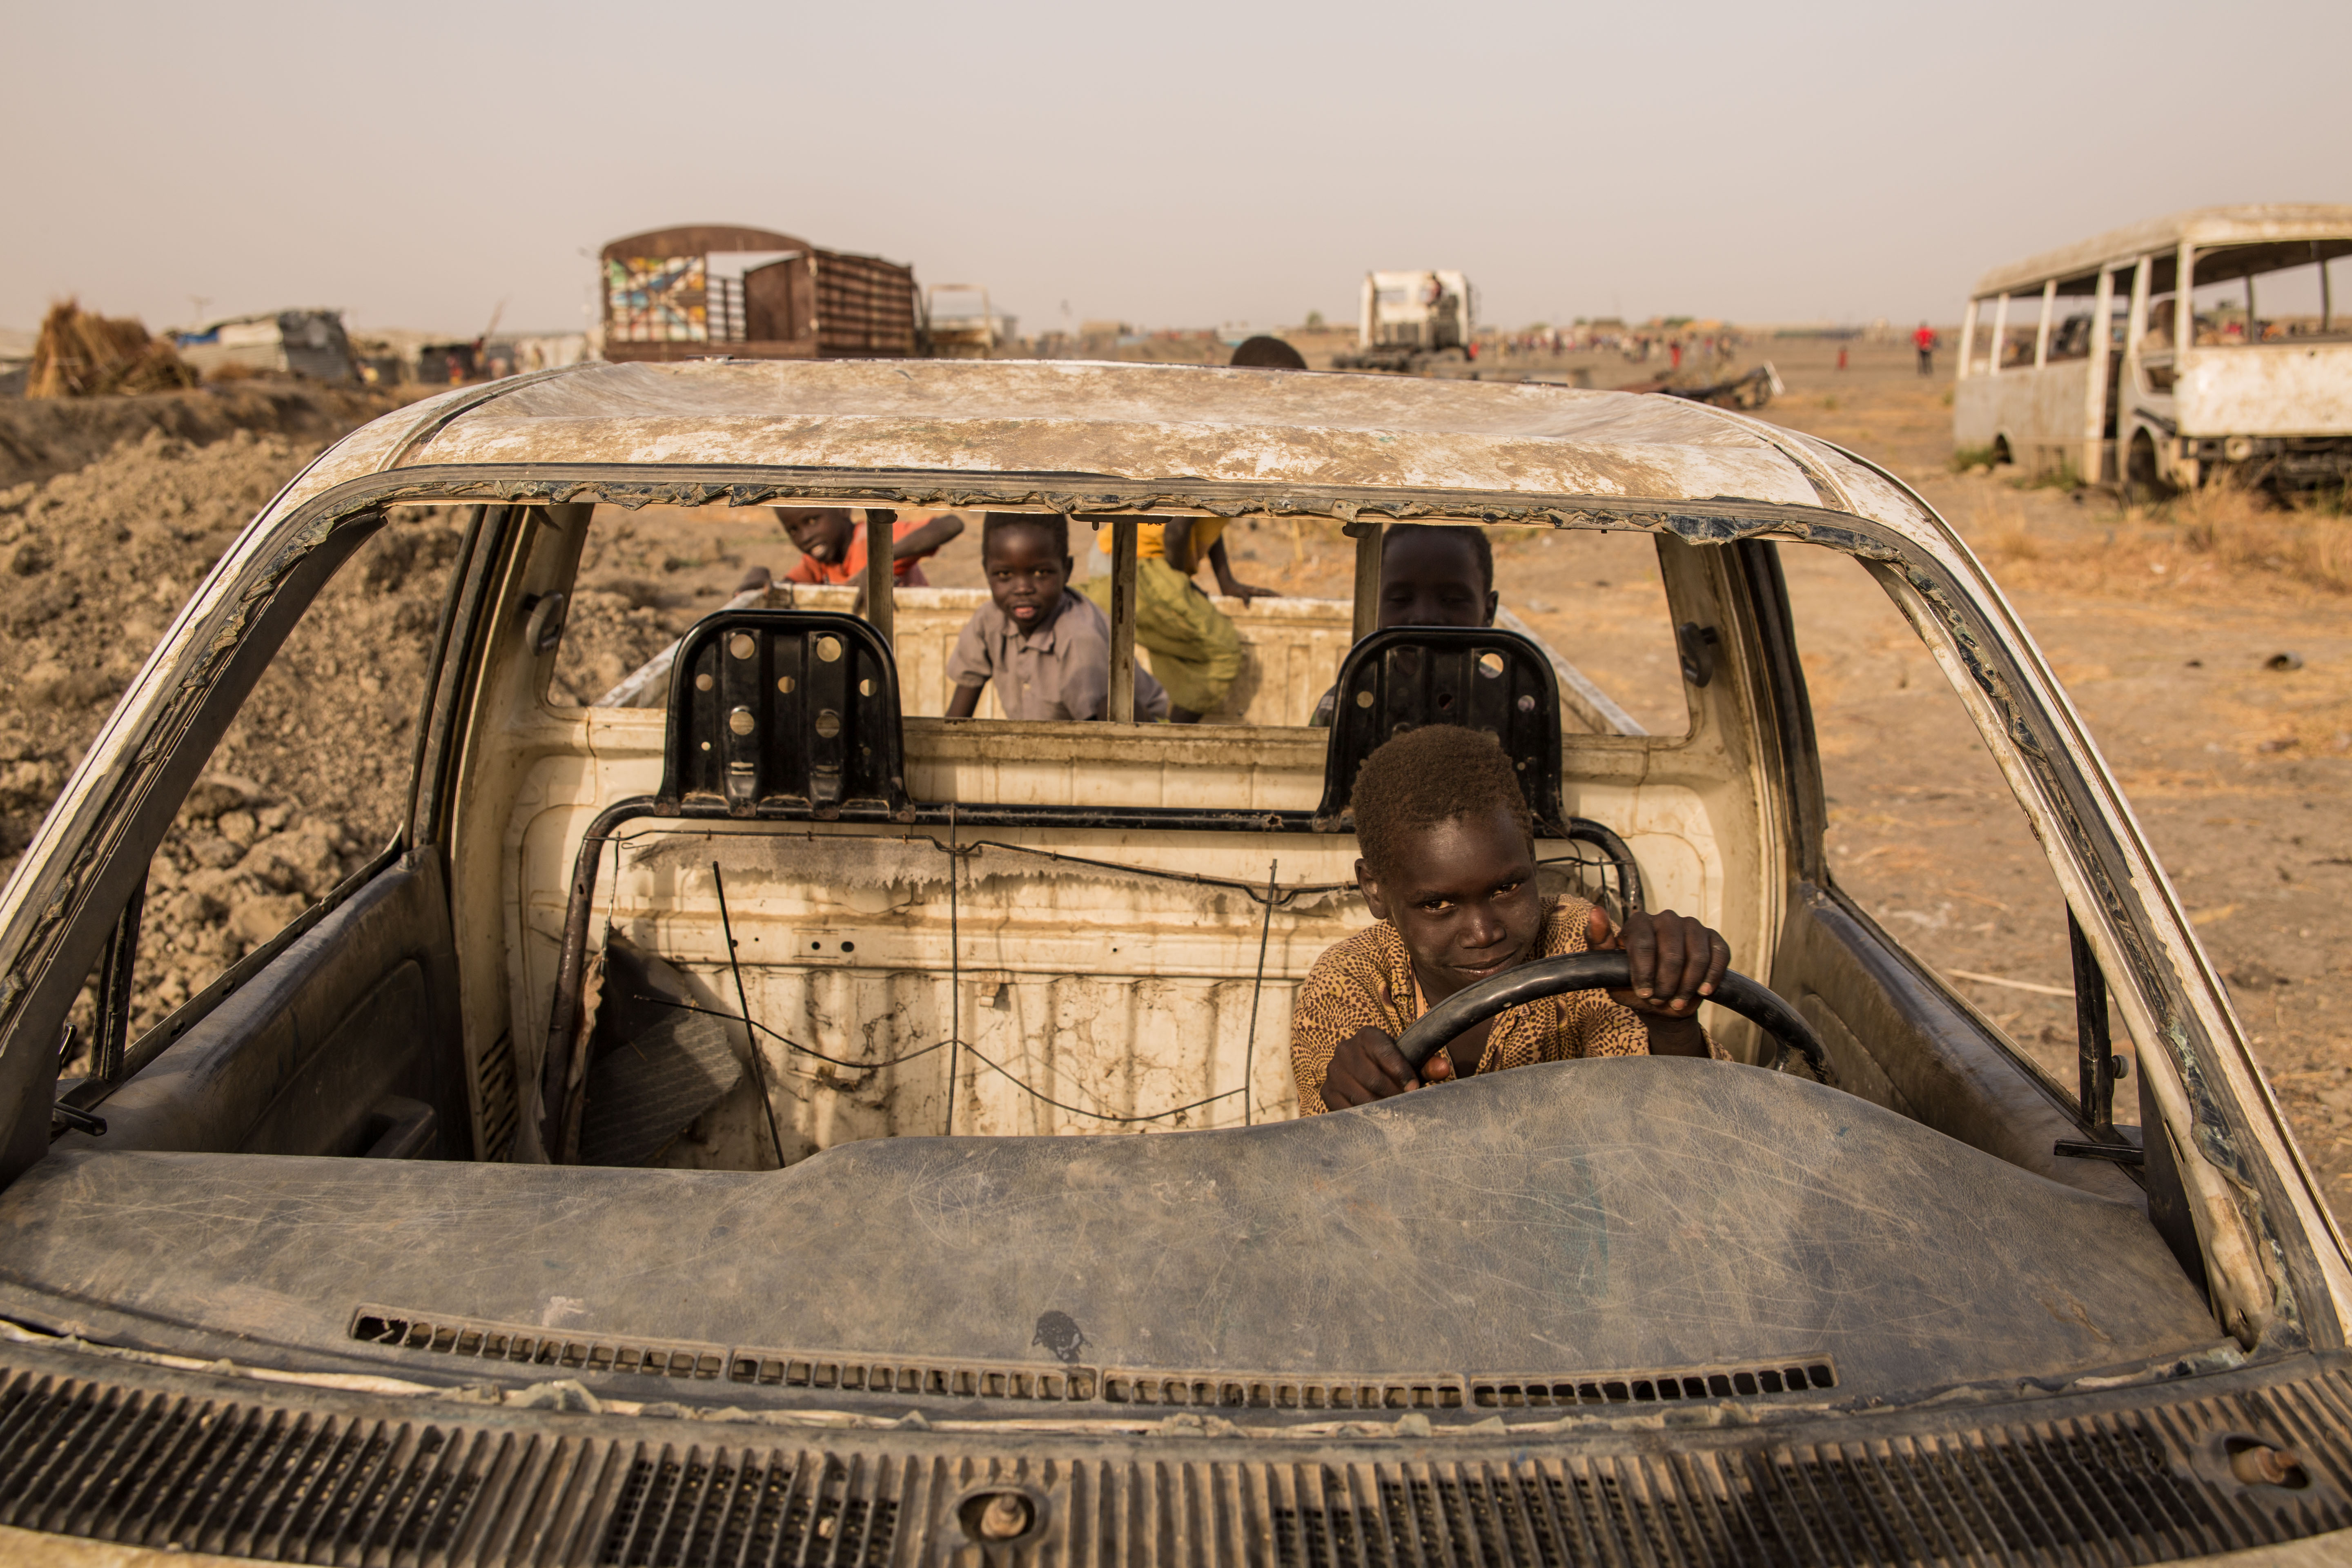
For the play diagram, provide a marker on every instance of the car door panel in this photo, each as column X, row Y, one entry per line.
column 1897, row 1040
column 310, row 1055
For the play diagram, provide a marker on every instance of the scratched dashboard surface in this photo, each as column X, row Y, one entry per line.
column 1578, row 1218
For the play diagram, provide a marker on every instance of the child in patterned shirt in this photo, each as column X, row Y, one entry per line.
column 1448, row 869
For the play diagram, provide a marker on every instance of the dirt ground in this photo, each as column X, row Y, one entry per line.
column 2165, row 624
column 310, row 779
column 2168, row 628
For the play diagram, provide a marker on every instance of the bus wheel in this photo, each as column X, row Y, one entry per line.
column 2141, row 481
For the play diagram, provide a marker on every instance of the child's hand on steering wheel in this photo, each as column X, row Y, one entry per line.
column 1675, row 960
column 1368, row 1067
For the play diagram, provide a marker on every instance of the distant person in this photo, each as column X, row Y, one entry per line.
column 1047, row 649
column 1840, row 356
column 1924, row 339
column 833, row 547
column 1262, row 352
column 1430, row 576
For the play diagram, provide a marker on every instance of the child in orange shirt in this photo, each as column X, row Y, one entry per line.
column 833, row 548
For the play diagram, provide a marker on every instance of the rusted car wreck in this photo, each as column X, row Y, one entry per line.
column 323, row 1268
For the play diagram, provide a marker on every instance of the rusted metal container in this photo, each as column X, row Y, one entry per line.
column 712, row 290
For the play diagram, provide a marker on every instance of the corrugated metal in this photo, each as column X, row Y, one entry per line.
column 282, row 1478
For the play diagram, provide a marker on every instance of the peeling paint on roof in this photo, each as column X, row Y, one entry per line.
column 1126, row 422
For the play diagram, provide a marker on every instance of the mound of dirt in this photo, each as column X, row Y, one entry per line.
column 606, row 636
column 42, row 437
column 95, row 561
column 310, row 780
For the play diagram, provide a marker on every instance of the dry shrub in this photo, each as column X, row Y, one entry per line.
column 80, row 354
column 1999, row 521
column 2242, row 529
column 2015, row 543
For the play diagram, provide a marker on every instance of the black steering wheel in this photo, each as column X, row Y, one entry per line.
column 1606, row 970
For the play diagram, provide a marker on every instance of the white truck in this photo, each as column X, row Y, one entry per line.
column 1406, row 319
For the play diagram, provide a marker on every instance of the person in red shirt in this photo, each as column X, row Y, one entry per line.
column 833, row 547
column 1924, row 339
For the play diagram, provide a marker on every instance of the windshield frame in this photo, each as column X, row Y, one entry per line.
column 2260, row 1216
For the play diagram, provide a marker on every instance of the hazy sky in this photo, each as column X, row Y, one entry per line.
column 1182, row 164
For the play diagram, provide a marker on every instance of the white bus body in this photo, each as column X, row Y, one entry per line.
column 2084, row 358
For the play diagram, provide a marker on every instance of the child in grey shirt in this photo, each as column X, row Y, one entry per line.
column 1047, row 650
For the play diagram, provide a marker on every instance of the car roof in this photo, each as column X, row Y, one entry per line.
column 1505, row 449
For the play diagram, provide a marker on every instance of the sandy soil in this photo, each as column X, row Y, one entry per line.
column 2163, row 625
column 2162, row 628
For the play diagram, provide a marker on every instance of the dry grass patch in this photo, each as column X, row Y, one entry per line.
column 2218, row 539
column 2248, row 532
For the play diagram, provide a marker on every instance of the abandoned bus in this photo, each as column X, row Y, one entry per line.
column 2208, row 344
column 781, row 1123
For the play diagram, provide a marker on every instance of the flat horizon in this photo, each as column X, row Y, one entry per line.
column 1235, row 164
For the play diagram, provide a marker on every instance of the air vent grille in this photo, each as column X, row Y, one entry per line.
column 150, row 1470
column 2038, row 1496
column 1537, row 1392
column 792, row 1368
column 690, row 1506
column 478, row 1340
column 171, row 1461
column 1249, row 1392
column 538, row 1347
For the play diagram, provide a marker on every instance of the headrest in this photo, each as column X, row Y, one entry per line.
column 784, row 713
column 1478, row 677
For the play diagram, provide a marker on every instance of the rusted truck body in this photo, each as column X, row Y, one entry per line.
column 1001, row 1240
column 714, row 290
column 2101, row 358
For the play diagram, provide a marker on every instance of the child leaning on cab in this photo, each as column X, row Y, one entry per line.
column 1448, row 869
column 832, row 545
column 1047, row 649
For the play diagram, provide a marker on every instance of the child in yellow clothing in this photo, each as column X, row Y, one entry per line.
column 1196, row 651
